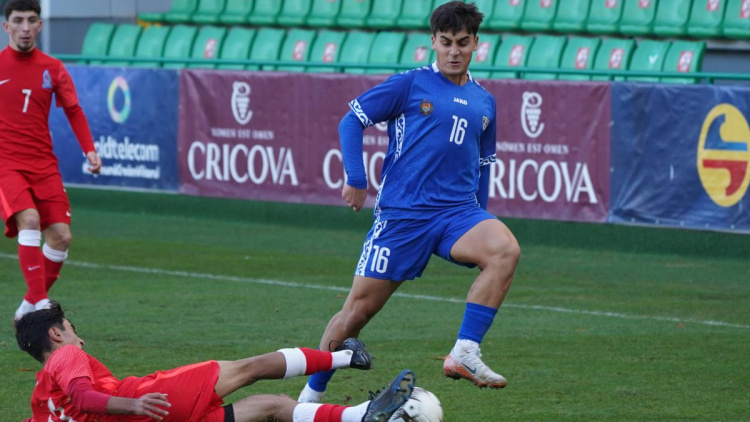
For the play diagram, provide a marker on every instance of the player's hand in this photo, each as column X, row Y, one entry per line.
column 95, row 161
column 151, row 405
column 354, row 197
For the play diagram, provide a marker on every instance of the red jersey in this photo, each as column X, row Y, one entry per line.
column 27, row 82
column 50, row 401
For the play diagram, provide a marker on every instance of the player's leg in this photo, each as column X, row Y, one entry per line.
column 490, row 245
column 54, row 211
column 31, row 260
column 285, row 409
column 366, row 298
column 393, row 250
column 289, row 363
column 57, row 238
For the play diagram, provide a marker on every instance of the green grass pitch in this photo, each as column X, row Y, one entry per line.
column 603, row 323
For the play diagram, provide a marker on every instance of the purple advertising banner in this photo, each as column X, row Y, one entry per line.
column 270, row 135
column 274, row 136
column 553, row 150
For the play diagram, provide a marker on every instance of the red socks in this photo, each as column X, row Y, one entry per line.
column 31, row 259
column 329, row 413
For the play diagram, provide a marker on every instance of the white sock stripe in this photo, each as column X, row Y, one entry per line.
column 30, row 238
column 341, row 359
column 53, row 254
column 296, row 363
column 305, row 412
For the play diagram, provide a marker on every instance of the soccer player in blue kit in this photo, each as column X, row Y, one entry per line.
column 433, row 194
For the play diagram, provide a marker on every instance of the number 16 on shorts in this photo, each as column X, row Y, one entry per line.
column 379, row 259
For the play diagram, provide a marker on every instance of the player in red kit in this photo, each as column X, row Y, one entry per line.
column 32, row 198
column 74, row 386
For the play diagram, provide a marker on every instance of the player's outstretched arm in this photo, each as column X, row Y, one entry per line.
column 151, row 405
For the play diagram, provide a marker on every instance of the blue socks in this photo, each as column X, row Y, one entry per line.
column 319, row 380
column 476, row 323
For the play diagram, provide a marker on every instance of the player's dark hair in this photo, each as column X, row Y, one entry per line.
column 32, row 330
column 455, row 16
column 22, row 6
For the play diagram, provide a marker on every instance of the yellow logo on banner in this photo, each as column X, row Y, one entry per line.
column 724, row 155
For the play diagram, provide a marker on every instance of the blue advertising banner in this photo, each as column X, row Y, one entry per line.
column 681, row 156
column 133, row 118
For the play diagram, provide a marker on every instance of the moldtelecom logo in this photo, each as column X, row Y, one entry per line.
column 119, row 84
column 724, row 155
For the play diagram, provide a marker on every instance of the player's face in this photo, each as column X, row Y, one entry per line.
column 69, row 335
column 454, row 53
column 22, row 29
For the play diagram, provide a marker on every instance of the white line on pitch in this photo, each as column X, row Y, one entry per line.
column 403, row 295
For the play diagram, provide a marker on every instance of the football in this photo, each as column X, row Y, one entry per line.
column 422, row 406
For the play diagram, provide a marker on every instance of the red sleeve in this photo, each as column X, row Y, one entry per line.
column 85, row 399
column 68, row 363
column 80, row 126
column 65, row 91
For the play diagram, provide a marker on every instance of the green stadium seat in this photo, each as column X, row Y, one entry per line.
column 385, row 12
column 181, row 11
column 326, row 49
column 579, row 54
column 296, row 47
column 123, row 44
column 539, row 15
column 266, row 46
column 484, row 57
column 571, row 16
column 388, row 51
column 545, row 52
column 737, row 19
column 513, row 52
column 487, row 7
column 706, row 18
column 354, row 13
column 683, row 57
column 237, row 12
column 265, row 12
column 356, row 49
column 507, row 17
column 638, row 17
column 604, row 16
column 324, row 13
column 294, row 13
column 151, row 45
column 178, row 7
column 208, row 44
column 236, row 47
column 97, row 39
column 672, row 18
column 613, row 54
column 209, row 11
column 415, row 14
column 179, row 45
column 417, row 50
column 648, row 57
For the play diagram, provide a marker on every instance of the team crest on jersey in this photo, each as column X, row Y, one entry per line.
column 485, row 123
column 426, row 107
column 46, row 80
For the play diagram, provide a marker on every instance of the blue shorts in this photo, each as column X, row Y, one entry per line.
column 399, row 250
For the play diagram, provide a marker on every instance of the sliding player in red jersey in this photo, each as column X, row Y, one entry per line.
column 74, row 386
column 32, row 198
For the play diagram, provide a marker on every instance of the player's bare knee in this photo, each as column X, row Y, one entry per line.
column 502, row 251
column 28, row 221
column 59, row 240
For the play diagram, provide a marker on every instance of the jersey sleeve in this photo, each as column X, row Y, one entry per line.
column 67, row 364
column 487, row 141
column 384, row 101
column 65, row 91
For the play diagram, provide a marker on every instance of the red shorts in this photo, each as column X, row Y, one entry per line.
column 44, row 192
column 190, row 389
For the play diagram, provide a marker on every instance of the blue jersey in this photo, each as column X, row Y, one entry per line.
column 439, row 134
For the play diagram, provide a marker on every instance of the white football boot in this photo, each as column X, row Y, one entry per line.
column 465, row 361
